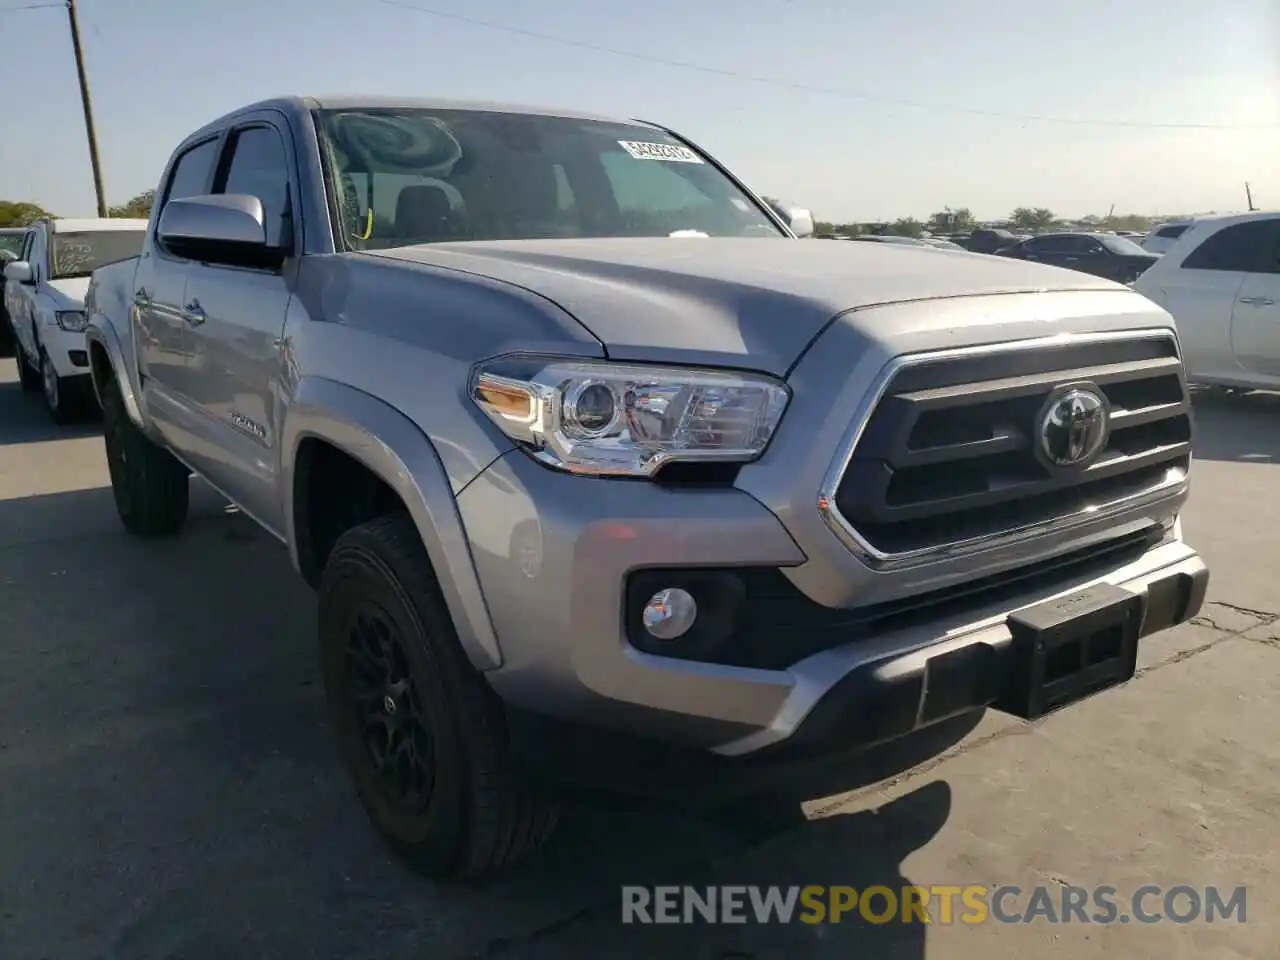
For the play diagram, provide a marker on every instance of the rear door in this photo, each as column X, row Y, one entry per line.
column 1198, row 283
column 239, row 316
column 161, row 329
column 1255, row 318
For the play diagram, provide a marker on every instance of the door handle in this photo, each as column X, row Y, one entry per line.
column 1258, row 301
column 194, row 314
column 142, row 299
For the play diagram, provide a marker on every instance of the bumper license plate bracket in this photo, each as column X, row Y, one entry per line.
column 1071, row 647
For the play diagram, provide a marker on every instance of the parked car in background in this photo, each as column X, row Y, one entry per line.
column 561, row 478
column 10, row 247
column 890, row 238
column 1101, row 254
column 44, row 295
column 1221, row 282
column 942, row 243
column 989, row 241
column 1163, row 237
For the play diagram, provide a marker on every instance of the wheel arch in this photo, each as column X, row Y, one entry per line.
column 326, row 418
column 107, row 360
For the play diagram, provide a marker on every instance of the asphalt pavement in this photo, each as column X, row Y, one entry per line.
column 168, row 788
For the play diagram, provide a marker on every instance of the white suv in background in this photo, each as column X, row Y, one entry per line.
column 1163, row 237
column 1221, row 282
column 44, row 292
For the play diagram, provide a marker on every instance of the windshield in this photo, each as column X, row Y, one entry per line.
column 79, row 254
column 408, row 176
column 1123, row 246
column 11, row 243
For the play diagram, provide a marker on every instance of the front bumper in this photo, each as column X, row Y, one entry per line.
column 553, row 553
column 890, row 696
column 68, row 351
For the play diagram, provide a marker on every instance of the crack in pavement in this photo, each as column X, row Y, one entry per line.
column 1262, row 618
column 1260, row 614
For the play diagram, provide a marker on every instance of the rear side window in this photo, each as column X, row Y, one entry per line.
column 1252, row 247
column 192, row 171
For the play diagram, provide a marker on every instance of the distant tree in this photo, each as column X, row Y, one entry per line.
column 139, row 207
column 906, row 227
column 1032, row 218
column 959, row 220
column 19, row 213
column 1127, row 221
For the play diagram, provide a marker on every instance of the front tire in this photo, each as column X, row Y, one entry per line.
column 28, row 376
column 421, row 732
column 61, row 399
column 152, row 488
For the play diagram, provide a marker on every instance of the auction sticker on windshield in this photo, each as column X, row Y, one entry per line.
column 659, row 151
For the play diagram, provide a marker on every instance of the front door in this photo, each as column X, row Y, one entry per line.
column 160, row 334
column 162, row 327
column 238, row 317
column 20, row 299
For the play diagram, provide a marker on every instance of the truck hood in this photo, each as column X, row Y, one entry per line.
column 752, row 303
column 68, row 294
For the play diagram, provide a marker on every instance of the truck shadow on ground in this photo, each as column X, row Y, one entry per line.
column 172, row 791
column 1237, row 426
column 25, row 419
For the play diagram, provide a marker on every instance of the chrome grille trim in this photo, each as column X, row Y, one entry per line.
column 1173, row 484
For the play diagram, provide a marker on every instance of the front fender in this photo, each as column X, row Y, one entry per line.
column 101, row 332
column 392, row 446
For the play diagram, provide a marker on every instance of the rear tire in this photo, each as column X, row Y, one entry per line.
column 152, row 488
column 422, row 734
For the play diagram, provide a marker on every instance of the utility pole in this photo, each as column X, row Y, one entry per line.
column 1249, row 196
column 88, row 109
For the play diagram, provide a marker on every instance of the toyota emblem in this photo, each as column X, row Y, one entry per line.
column 1074, row 427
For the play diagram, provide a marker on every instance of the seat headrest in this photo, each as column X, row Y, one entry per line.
column 423, row 212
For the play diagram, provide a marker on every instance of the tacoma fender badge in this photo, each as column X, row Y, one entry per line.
column 248, row 426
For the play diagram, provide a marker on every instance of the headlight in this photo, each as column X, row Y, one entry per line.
column 73, row 321
column 628, row 420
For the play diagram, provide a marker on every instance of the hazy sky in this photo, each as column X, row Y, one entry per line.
column 161, row 68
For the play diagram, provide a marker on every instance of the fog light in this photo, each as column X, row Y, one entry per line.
column 670, row 613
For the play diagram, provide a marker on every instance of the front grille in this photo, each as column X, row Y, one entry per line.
column 948, row 454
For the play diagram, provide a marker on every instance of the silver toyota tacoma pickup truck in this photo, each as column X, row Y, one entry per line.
column 566, row 426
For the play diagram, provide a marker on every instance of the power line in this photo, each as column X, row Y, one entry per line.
column 811, row 88
column 31, row 6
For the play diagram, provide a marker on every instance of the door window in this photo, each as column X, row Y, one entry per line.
column 1062, row 246
column 259, row 168
column 1251, row 247
column 192, row 171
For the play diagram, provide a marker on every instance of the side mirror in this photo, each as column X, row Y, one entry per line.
column 798, row 219
column 19, row 271
column 225, row 228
